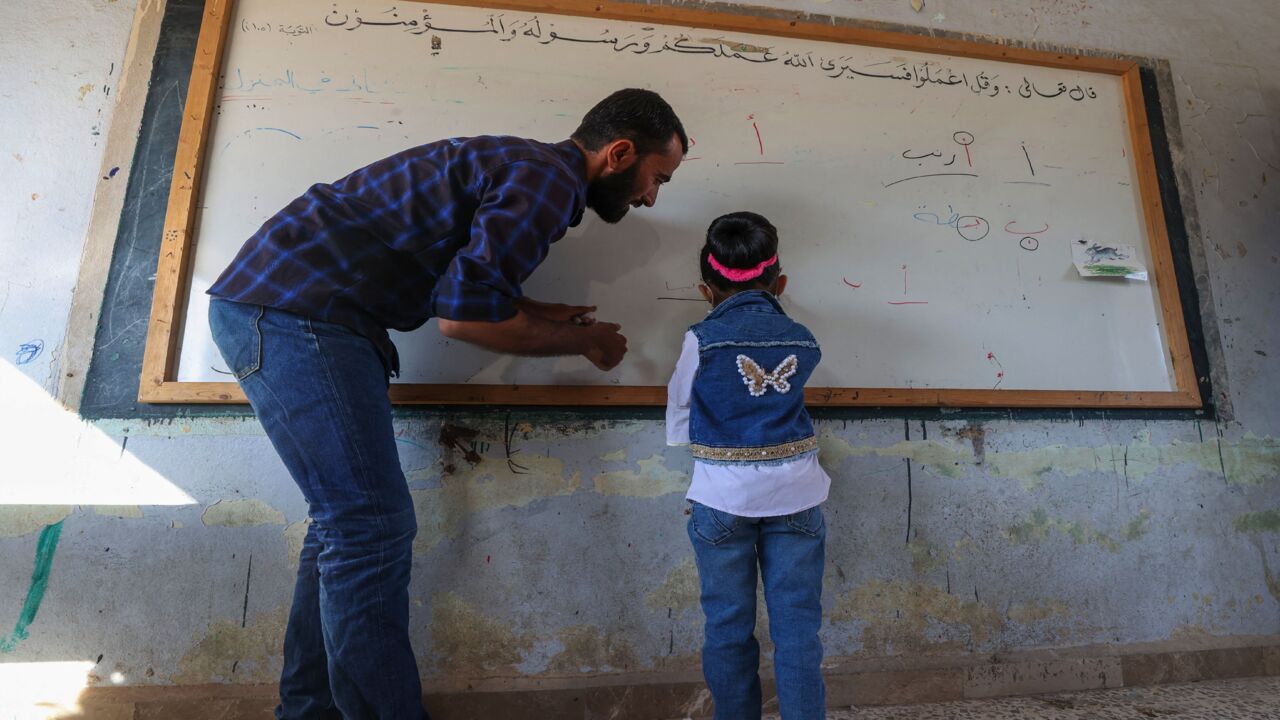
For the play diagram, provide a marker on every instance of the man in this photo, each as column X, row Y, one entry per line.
column 448, row 230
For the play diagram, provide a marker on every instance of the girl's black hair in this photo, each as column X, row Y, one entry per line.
column 741, row 241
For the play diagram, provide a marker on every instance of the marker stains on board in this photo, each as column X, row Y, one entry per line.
column 995, row 362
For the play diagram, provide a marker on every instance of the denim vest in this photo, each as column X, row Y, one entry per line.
column 747, row 405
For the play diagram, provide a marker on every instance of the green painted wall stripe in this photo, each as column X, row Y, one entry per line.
column 47, row 545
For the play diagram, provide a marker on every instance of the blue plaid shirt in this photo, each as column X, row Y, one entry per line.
column 450, row 229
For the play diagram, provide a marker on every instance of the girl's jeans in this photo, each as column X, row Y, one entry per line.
column 788, row 551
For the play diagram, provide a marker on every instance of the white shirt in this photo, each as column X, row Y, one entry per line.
column 744, row 490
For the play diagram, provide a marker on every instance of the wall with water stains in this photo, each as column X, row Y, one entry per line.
column 552, row 547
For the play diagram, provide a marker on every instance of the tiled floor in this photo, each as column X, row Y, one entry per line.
column 1244, row 699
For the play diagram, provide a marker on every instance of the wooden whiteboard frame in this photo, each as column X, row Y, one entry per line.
column 160, row 360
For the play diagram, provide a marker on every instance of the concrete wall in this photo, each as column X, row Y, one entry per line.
column 552, row 552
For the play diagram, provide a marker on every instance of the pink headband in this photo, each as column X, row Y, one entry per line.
column 740, row 275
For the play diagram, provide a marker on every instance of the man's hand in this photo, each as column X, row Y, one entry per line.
column 607, row 345
column 556, row 312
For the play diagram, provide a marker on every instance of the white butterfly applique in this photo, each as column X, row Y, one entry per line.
column 758, row 380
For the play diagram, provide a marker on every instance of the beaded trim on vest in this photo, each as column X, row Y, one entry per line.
column 758, row 454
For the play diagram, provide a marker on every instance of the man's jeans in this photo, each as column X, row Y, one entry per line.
column 789, row 552
column 320, row 392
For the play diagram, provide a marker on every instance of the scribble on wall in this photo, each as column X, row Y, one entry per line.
column 29, row 351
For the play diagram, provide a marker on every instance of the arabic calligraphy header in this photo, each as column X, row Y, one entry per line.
column 652, row 41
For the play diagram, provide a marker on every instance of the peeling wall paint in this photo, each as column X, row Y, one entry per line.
column 1040, row 525
column 1250, row 460
column 653, row 479
column 19, row 520
column 679, row 590
column 241, row 513
column 533, row 539
column 1267, row 521
column 234, row 651
column 119, row 511
column 897, row 616
column 294, row 536
column 467, row 641
column 489, row 484
column 590, row 649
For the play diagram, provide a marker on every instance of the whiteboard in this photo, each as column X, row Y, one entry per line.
column 926, row 204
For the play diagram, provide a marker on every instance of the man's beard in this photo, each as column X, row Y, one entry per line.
column 611, row 196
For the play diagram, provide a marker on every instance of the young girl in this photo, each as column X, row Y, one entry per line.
column 737, row 399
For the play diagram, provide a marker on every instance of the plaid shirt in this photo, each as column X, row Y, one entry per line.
column 449, row 229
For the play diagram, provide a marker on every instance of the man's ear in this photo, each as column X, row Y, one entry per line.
column 779, row 285
column 619, row 155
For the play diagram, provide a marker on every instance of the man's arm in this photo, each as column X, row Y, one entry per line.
column 527, row 334
column 577, row 314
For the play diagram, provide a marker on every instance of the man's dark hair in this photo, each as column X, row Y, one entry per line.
column 740, row 241
column 641, row 116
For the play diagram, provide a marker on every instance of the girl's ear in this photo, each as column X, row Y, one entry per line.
column 779, row 285
column 706, row 293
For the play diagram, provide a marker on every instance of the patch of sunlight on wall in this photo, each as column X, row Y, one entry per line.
column 40, row 690
column 49, row 456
